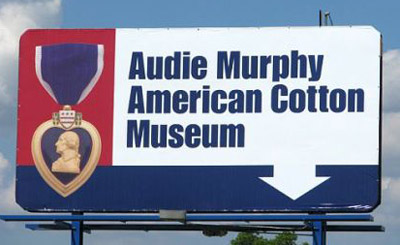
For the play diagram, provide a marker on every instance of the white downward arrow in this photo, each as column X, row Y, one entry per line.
column 294, row 180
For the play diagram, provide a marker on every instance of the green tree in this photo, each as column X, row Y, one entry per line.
column 285, row 238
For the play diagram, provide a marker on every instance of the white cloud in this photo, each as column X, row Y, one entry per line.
column 4, row 163
column 391, row 135
column 391, row 78
column 387, row 213
column 15, row 18
column 7, row 188
column 7, row 201
column 391, row 117
column 391, row 190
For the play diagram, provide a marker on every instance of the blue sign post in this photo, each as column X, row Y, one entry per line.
column 317, row 224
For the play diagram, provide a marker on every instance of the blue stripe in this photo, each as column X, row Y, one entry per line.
column 350, row 189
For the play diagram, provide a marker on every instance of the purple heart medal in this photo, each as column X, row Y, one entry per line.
column 66, row 148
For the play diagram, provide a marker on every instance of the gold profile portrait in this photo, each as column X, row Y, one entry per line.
column 67, row 146
column 70, row 158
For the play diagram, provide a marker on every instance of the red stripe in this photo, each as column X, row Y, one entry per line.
column 35, row 104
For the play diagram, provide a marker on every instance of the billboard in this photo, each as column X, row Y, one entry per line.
column 203, row 120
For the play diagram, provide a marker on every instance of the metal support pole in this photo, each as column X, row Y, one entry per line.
column 319, row 232
column 326, row 15
column 77, row 231
column 320, row 17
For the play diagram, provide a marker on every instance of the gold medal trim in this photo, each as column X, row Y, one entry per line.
column 48, row 176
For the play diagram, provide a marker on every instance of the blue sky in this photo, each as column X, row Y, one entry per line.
column 181, row 13
column 15, row 16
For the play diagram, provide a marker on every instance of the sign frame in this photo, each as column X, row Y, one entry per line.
column 28, row 206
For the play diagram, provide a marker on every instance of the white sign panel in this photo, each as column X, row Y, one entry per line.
column 248, row 96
